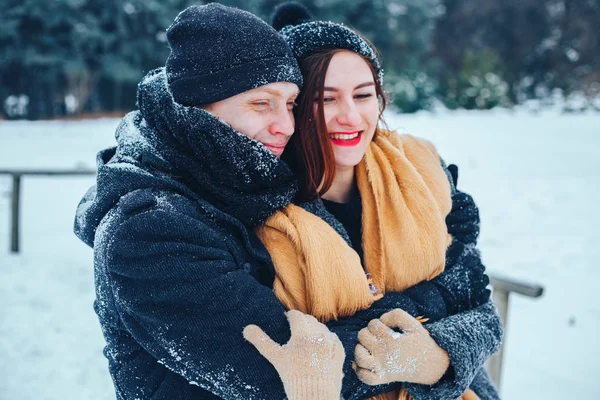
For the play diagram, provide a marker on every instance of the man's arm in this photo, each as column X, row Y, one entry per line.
column 186, row 299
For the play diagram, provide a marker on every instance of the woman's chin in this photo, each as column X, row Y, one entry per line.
column 347, row 159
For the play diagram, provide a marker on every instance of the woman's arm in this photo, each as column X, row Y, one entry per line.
column 463, row 284
column 465, row 289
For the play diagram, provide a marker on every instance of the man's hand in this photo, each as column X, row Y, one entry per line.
column 310, row 364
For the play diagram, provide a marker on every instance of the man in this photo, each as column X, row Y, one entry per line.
column 179, row 272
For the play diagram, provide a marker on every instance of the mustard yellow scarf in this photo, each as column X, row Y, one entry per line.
column 405, row 199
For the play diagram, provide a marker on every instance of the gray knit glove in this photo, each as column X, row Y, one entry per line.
column 310, row 363
column 384, row 355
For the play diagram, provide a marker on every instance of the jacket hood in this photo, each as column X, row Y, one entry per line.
column 167, row 146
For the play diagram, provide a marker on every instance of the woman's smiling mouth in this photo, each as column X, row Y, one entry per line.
column 346, row 138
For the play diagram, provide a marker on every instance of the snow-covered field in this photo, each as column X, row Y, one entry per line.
column 535, row 177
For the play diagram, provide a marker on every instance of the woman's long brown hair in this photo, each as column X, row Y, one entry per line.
column 309, row 152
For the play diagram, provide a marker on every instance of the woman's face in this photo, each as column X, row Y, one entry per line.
column 350, row 107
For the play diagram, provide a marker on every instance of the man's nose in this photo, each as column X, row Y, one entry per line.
column 283, row 123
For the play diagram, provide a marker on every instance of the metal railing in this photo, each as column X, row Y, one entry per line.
column 502, row 287
column 15, row 204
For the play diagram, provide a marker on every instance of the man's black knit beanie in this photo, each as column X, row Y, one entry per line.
column 305, row 35
column 218, row 52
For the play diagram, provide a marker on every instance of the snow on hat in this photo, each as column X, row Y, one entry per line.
column 218, row 52
column 305, row 36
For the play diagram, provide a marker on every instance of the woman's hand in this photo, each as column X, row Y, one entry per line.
column 310, row 363
column 384, row 355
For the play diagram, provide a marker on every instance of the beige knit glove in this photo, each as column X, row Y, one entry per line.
column 384, row 356
column 310, row 364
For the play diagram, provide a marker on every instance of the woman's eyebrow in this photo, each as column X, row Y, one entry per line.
column 362, row 85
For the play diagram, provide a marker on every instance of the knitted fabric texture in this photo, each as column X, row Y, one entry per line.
column 310, row 363
column 305, row 36
column 384, row 356
column 218, row 52
column 235, row 173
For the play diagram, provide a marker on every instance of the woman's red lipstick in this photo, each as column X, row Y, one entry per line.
column 347, row 139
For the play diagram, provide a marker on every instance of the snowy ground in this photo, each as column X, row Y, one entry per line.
column 535, row 177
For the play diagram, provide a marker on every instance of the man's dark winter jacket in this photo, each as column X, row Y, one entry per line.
column 179, row 272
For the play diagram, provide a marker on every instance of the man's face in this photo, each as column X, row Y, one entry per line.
column 263, row 114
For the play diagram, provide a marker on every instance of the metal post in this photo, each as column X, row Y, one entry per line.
column 15, row 208
column 494, row 364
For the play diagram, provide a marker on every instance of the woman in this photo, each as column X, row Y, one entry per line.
column 386, row 198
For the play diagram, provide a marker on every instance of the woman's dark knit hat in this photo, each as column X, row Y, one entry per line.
column 305, row 36
column 218, row 52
